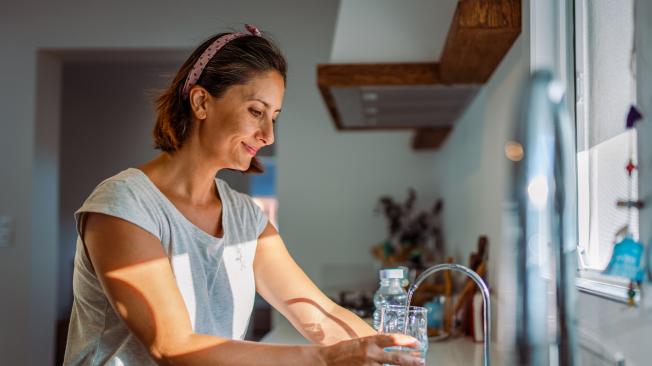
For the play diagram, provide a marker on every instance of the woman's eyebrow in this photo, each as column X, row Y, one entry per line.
column 264, row 102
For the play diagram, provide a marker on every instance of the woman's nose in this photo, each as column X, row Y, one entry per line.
column 267, row 132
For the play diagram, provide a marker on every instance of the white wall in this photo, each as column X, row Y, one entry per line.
column 328, row 181
column 391, row 31
column 472, row 176
column 472, row 168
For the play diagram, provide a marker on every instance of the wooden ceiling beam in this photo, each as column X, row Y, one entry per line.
column 351, row 75
column 429, row 138
column 481, row 34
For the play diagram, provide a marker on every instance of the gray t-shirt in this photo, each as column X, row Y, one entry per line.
column 214, row 275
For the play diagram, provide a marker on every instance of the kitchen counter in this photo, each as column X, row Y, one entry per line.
column 456, row 351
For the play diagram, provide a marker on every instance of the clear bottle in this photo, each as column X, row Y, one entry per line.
column 390, row 292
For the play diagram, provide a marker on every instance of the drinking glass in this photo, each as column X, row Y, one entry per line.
column 393, row 319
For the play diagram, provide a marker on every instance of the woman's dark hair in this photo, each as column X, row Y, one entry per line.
column 236, row 63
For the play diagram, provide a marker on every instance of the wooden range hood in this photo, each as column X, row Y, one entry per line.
column 429, row 96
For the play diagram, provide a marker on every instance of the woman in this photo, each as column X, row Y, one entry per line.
column 169, row 258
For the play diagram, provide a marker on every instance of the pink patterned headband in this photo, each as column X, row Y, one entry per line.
column 208, row 54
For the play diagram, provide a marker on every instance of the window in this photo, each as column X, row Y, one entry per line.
column 605, row 89
column 263, row 189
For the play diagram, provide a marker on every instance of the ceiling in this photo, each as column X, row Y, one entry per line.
column 391, row 30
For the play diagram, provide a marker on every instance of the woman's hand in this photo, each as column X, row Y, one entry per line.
column 369, row 351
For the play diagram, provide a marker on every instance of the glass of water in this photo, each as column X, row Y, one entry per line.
column 396, row 318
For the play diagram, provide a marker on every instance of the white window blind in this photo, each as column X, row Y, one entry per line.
column 605, row 89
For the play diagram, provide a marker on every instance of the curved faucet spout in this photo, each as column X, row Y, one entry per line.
column 483, row 288
column 545, row 221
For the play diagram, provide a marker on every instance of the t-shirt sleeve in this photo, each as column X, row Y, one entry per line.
column 261, row 218
column 256, row 215
column 116, row 198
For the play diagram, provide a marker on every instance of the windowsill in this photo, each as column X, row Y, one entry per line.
column 594, row 283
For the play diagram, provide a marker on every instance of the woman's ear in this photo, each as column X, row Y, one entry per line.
column 198, row 98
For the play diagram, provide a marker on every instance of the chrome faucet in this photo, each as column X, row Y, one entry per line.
column 545, row 210
column 483, row 288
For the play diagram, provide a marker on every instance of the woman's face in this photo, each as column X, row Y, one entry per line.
column 242, row 121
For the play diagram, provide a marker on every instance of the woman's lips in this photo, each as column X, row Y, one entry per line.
column 250, row 149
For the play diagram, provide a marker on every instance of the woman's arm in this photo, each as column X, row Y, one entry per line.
column 137, row 278
column 286, row 287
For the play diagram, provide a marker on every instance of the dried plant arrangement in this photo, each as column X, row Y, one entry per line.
column 413, row 238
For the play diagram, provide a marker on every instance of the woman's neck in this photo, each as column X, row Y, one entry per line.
column 182, row 176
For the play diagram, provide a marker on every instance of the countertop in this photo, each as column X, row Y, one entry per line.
column 456, row 351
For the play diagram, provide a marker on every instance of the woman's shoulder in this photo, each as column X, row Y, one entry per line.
column 124, row 195
column 124, row 184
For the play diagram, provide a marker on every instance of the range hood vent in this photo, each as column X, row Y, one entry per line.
column 392, row 107
column 428, row 97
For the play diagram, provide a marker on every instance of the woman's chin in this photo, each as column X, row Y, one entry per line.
column 242, row 165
